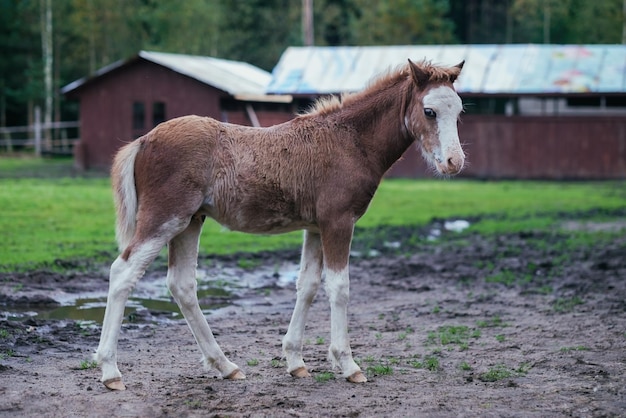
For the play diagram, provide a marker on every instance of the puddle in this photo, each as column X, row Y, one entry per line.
column 218, row 286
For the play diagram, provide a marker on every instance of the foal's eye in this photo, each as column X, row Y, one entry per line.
column 430, row 113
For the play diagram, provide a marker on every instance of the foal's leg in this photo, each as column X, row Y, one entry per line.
column 181, row 281
column 336, row 239
column 124, row 275
column 308, row 283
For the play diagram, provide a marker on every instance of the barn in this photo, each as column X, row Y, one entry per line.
column 126, row 99
column 531, row 111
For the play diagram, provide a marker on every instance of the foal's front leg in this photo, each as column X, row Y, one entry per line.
column 336, row 239
column 308, row 283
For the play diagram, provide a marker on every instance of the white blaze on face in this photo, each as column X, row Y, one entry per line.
column 449, row 157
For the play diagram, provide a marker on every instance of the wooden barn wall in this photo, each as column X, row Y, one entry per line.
column 106, row 107
column 524, row 147
column 265, row 117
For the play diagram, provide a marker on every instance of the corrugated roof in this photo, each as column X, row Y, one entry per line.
column 491, row 69
column 234, row 77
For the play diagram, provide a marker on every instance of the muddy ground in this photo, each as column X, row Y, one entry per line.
column 524, row 324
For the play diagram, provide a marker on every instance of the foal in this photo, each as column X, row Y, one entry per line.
column 317, row 172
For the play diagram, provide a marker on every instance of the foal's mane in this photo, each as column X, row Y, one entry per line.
column 432, row 74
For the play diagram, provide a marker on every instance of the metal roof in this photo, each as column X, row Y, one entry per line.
column 489, row 69
column 234, row 77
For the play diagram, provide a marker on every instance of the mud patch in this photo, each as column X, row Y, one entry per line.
column 528, row 324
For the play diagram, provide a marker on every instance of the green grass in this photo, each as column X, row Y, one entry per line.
column 380, row 370
column 430, row 363
column 501, row 371
column 88, row 364
column 453, row 335
column 47, row 222
column 324, row 377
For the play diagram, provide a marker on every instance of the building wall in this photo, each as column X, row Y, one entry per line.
column 521, row 147
column 106, row 107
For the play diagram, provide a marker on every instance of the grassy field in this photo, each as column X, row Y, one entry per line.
column 47, row 218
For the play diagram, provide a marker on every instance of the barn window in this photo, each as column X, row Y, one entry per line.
column 158, row 113
column 139, row 115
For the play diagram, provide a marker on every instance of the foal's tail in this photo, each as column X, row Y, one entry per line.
column 124, row 193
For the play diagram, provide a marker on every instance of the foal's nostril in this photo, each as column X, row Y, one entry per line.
column 454, row 164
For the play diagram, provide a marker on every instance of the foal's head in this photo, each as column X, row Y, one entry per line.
column 432, row 113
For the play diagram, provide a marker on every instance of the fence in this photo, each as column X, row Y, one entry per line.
column 43, row 138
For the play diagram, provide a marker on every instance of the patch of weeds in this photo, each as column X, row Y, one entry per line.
column 436, row 309
column 88, row 364
column 324, row 377
column 465, row 366
column 453, row 335
column 319, row 341
column 4, row 333
column 276, row 363
column 497, row 372
column 566, row 304
column 429, row 363
column 402, row 336
column 253, row 362
column 369, row 359
column 378, row 336
column 505, row 277
column 495, row 322
column 500, row 338
column 501, row 371
column 380, row 369
column 577, row 348
column 544, row 290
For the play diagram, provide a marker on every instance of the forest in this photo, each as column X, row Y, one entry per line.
column 46, row 44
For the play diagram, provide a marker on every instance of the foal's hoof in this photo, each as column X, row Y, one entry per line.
column 115, row 384
column 357, row 377
column 236, row 375
column 300, row 372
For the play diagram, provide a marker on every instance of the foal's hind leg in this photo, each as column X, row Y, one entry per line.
column 124, row 275
column 308, row 283
column 181, row 280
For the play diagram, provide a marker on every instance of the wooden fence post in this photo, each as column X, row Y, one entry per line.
column 37, row 127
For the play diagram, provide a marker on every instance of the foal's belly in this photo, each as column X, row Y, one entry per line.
column 258, row 220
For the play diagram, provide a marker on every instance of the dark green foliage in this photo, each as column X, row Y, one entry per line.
column 89, row 34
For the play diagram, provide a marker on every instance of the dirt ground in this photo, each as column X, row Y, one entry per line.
column 526, row 324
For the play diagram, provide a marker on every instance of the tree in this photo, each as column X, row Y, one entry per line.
column 258, row 31
column 20, row 66
column 567, row 21
column 404, row 22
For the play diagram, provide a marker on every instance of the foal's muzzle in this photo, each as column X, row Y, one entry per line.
column 452, row 165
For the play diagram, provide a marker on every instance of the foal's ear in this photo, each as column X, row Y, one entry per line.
column 455, row 71
column 419, row 75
